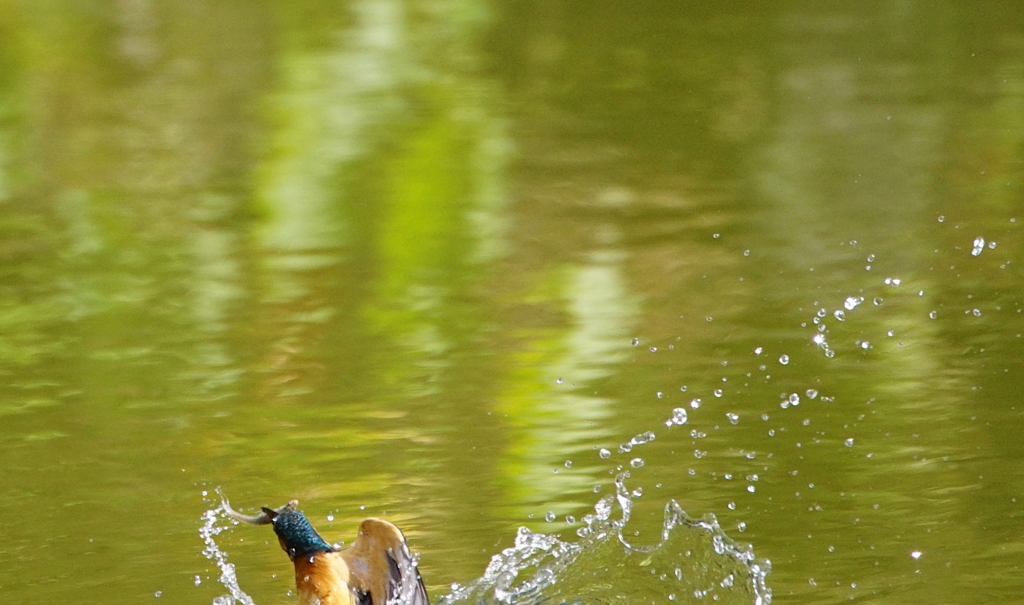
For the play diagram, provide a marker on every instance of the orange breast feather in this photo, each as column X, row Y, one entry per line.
column 323, row 579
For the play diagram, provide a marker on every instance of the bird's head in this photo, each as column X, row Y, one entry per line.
column 296, row 536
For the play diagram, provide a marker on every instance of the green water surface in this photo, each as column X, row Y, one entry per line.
column 425, row 260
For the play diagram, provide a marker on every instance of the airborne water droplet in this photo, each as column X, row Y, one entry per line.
column 678, row 417
column 979, row 246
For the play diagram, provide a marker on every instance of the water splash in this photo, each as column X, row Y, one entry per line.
column 694, row 561
column 211, row 551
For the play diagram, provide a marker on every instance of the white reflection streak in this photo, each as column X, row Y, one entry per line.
column 603, row 311
column 328, row 103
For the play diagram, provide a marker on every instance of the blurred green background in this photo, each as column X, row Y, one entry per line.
column 425, row 259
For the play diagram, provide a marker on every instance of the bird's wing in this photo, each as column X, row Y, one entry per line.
column 405, row 582
column 382, row 566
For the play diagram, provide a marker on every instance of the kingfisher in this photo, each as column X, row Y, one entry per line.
column 377, row 569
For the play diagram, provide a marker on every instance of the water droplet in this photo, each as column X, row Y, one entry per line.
column 625, row 447
column 660, row 394
column 991, row 245
column 330, row 517
column 784, row 359
column 604, row 454
column 916, row 554
column 853, row 302
column 558, row 380
column 865, row 344
column 731, row 506
column 678, row 417
column 642, row 438
column 741, row 526
column 892, row 281
column 839, row 314
column 654, row 349
column 695, row 404
column 635, row 342
column 758, row 350
column 941, row 218
column 794, row 399
column 570, row 519
column 979, row 246
column 976, row 312
column 718, row 392
column 733, row 418
column 158, row 594
column 568, row 464
column 549, row 516
column 812, row 393
column 751, row 489
column 197, row 580
column 636, row 462
column 933, row 314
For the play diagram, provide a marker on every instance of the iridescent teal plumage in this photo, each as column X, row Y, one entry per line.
column 297, row 536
